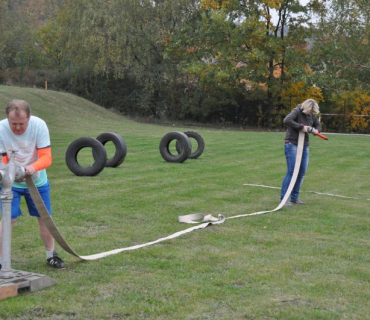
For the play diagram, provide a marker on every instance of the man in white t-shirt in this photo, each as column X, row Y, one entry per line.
column 29, row 135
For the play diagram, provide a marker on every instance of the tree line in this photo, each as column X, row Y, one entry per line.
column 241, row 62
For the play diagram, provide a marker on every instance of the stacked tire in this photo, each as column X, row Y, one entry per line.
column 183, row 146
column 99, row 153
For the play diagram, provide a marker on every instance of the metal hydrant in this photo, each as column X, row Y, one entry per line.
column 8, row 174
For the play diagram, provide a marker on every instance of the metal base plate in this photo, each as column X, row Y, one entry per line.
column 23, row 280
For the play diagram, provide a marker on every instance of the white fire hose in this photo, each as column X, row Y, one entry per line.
column 201, row 220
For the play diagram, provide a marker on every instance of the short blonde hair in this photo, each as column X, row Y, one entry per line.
column 308, row 105
column 18, row 106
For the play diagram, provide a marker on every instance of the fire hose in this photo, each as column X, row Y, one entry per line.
column 201, row 220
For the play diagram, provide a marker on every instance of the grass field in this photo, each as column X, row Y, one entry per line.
column 302, row 262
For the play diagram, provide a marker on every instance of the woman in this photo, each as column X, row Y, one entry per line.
column 301, row 118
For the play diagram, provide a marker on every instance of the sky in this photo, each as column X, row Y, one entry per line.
column 274, row 15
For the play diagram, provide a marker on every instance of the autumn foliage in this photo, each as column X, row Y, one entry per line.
column 239, row 62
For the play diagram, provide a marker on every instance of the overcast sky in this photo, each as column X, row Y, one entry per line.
column 274, row 15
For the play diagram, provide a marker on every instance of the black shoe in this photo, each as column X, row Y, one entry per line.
column 56, row 262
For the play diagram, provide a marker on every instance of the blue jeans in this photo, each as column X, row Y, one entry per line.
column 290, row 155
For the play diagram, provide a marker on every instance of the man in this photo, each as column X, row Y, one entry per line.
column 29, row 135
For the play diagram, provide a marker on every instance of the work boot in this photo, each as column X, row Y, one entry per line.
column 56, row 262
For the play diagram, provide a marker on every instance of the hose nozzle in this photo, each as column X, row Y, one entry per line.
column 310, row 130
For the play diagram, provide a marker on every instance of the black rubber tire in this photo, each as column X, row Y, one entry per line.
column 184, row 142
column 99, row 153
column 121, row 148
column 198, row 138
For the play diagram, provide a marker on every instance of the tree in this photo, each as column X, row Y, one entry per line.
column 19, row 22
column 3, row 32
column 340, row 55
column 120, row 39
column 236, row 44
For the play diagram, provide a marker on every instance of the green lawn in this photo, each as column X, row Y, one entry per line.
column 302, row 262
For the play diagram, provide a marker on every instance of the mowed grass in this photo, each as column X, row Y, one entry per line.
column 303, row 262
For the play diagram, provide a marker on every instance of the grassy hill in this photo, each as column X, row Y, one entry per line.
column 303, row 262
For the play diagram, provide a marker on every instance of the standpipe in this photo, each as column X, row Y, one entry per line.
column 8, row 174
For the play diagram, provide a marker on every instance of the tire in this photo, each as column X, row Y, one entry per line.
column 182, row 140
column 198, row 138
column 121, row 148
column 98, row 151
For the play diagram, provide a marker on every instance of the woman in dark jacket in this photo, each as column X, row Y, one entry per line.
column 301, row 118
